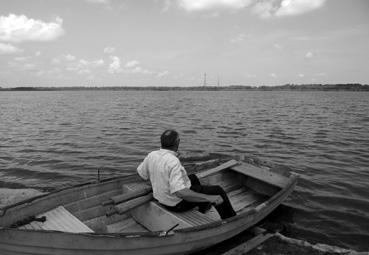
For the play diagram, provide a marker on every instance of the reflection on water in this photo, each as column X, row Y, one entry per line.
column 55, row 139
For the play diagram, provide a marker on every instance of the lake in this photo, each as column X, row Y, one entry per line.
column 53, row 139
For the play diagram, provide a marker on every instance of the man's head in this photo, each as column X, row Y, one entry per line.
column 170, row 140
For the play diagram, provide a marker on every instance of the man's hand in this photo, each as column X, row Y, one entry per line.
column 217, row 200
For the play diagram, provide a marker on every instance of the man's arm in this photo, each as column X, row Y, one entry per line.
column 192, row 196
column 142, row 170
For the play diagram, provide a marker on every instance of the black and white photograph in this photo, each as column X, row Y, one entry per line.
column 203, row 127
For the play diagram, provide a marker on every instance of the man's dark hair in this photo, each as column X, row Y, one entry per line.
column 169, row 138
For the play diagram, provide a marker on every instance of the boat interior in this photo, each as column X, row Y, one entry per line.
column 108, row 207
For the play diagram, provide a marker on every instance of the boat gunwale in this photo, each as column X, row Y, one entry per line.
column 4, row 209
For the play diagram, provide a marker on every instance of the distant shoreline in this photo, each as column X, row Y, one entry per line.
column 287, row 87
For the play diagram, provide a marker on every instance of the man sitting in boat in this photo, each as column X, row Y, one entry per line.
column 171, row 185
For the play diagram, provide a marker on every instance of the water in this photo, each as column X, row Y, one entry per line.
column 60, row 138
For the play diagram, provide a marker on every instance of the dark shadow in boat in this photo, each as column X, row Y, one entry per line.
column 279, row 220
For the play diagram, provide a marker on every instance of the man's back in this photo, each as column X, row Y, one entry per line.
column 166, row 174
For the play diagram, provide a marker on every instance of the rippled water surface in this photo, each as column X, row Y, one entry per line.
column 60, row 138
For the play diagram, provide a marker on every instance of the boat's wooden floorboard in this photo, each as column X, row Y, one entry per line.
column 124, row 226
column 243, row 197
column 59, row 219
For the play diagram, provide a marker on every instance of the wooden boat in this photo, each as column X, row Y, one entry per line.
column 119, row 216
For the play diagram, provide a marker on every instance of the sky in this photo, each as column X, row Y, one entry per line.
column 175, row 42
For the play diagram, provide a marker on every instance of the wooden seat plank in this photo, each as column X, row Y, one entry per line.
column 262, row 175
column 221, row 167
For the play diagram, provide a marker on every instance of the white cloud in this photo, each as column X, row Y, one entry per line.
column 278, row 46
column 262, row 8
column 141, row 70
column 22, row 63
column 301, row 75
column 106, row 3
column 73, row 64
column 309, row 55
column 83, row 66
column 167, row 4
column 203, row 5
column 70, row 57
column 29, row 66
column 109, row 50
column 131, row 64
column 99, row 1
column 115, row 65
column 295, row 7
column 18, row 28
column 270, row 8
column 238, row 38
column 55, row 61
column 37, row 53
column 273, row 75
column 6, row 48
column 164, row 73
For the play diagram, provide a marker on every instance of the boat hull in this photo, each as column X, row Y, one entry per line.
column 182, row 241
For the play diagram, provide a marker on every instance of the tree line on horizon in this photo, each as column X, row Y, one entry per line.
column 286, row 87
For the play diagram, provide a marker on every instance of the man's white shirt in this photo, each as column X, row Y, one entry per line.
column 166, row 174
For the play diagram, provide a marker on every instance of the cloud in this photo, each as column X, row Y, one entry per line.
column 109, row 50
column 106, row 3
column 141, row 70
column 132, row 67
column 203, row 5
column 296, row 7
column 262, row 8
column 115, row 66
column 99, row 1
column 6, row 49
column 131, row 64
column 277, row 46
column 309, row 55
column 167, row 4
column 37, row 53
column 273, row 75
column 271, row 8
column 164, row 73
column 83, row 66
column 80, row 66
column 70, row 57
column 23, row 63
column 19, row 28
column 238, row 38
